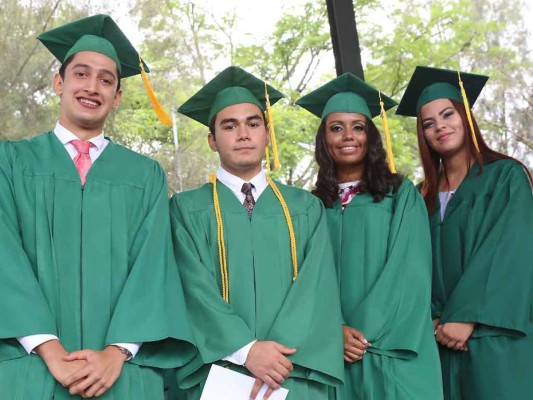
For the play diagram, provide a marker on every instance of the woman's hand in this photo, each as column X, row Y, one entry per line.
column 454, row 335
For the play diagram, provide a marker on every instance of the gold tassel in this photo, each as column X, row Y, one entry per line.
column 468, row 114
column 163, row 116
column 220, row 240
column 388, row 142
column 273, row 142
column 267, row 157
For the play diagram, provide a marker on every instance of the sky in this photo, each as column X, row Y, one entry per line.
column 255, row 20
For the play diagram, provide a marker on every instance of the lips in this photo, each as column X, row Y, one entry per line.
column 91, row 103
column 348, row 148
column 443, row 136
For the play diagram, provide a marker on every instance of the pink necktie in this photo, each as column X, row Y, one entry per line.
column 82, row 161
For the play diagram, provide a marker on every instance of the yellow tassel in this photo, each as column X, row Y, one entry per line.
column 292, row 237
column 163, row 116
column 388, row 142
column 273, row 142
column 267, row 157
column 220, row 240
column 222, row 259
column 468, row 114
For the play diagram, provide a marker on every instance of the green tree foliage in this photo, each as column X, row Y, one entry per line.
column 27, row 102
column 186, row 43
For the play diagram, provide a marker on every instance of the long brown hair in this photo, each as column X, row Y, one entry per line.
column 432, row 161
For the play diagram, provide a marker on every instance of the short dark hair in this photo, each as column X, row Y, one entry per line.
column 65, row 64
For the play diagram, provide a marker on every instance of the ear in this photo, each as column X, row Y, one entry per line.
column 267, row 133
column 58, row 84
column 212, row 142
column 118, row 97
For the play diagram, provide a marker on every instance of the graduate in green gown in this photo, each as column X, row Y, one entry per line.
column 480, row 208
column 381, row 241
column 91, row 301
column 257, row 265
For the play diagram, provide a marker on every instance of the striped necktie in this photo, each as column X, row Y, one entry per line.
column 249, row 200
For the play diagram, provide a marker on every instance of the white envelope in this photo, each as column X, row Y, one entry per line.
column 225, row 384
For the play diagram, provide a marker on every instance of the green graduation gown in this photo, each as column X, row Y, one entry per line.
column 264, row 302
column 91, row 265
column 383, row 256
column 483, row 273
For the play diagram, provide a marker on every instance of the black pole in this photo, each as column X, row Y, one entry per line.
column 344, row 37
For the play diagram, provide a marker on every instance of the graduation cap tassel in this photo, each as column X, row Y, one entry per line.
column 272, row 134
column 163, row 116
column 468, row 114
column 388, row 142
column 267, row 156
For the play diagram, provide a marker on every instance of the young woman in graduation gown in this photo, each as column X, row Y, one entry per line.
column 379, row 230
column 481, row 215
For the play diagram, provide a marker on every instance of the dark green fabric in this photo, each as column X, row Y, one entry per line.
column 383, row 256
column 232, row 86
column 483, row 273
column 265, row 303
column 428, row 84
column 93, row 266
column 346, row 93
column 97, row 33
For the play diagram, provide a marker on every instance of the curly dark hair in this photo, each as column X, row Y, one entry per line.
column 377, row 178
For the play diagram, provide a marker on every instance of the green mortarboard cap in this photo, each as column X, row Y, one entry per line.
column 428, row 84
column 346, row 93
column 232, row 86
column 98, row 33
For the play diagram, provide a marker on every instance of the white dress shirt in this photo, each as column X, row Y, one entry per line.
column 100, row 142
column 235, row 183
column 444, row 198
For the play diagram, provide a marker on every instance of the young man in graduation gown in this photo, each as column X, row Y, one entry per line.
column 87, row 278
column 480, row 206
column 254, row 256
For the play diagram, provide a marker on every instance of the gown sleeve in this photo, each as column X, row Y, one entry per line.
column 24, row 310
column 151, row 306
column 395, row 312
column 496, row 288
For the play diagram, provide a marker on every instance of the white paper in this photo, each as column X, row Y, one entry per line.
column 225, row 384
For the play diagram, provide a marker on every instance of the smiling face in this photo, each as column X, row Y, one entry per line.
column 240, row 138
column 346, row 140
column 443, row 128
column 88, row 93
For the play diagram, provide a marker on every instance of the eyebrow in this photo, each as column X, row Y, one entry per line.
column 100, row 70
column 362, row 121
column 235, row 120
column 440, row 113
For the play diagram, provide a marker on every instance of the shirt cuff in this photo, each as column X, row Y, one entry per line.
column 240, row 356
column 32, row 341
column 133, row 348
